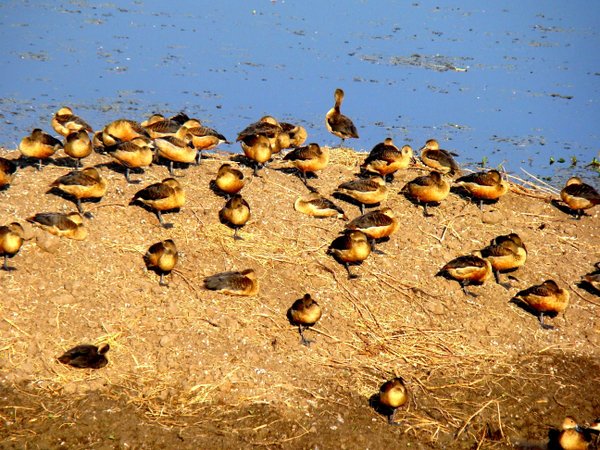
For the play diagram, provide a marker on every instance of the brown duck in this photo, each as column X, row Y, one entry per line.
column 392, row 395
column 235, row 214
column 134, row 154
column 386, row 159
column 544, row 299
column 122, row 130
column 86, row 356
column 484, row 185
column 162, row 258
column 229, row 180
column 351, row 247
column 427, row 189
column 468, row 269
column 376, row 225
column 308, row 159
column 365, row 191
column 506, row 252
column 82, row 184
column 8, row 168
column 11, row 240
column 579, row 196
column 68, row 225
column 438, row 159
column 338, row 124
column 39, row 145
column 65, row 122
column 304, row 313
column 242, row 283
column 315, row 205
column 163, row 196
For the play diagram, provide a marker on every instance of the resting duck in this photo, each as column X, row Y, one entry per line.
column 544, row 299
column 506, row 252
column 162, row 258
column 229, row 180
column 308, row 159
column 242, row 283
column 468, row 269
column 438, row 159
column 68, row 225
column 304, row 313
column 427, row 190
column 86, row 356
column 365, row 191
column 65, row 122
column 392, row 395
column 484, row 185
column 82, row 184
column 351, row 247
column 235, row 214
column 579, row 196
column 163, row 196
column 315, row 205
column 78, row 146
column 39, row 145
column 386, row 159
column 11, row 240
column 376, row 225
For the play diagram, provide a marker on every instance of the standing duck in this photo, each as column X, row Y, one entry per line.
column 78, row 146
column 65, row 122
column 235, row 214
column 82, row 184
column 338, row 124
column 39, row 145
column 593, row 278
column 229, row 180
column 122, row 130
column 86, row 356
column 11, row 240
column 573, row 437
column 468, row 269
column 8, row 168
column 376, row 225
column 427, row 189
column 393, row 395
column 257, row 148
column 438, row 159
column 507, row 252
column 386, row 159
column 134, row 154
column 163, row 196
column 308, row 159
column 579, row 196
column 544, row 299
column 176, row 148
column 162, row 258
column 369, row 191
column 242, row 283
column 351, row 247
column 304, row 313
column 203, row 138
column 484, row 185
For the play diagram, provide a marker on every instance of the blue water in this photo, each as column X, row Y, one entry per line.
column 530, row 91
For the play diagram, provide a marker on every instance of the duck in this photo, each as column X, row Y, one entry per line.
column 86, row 356
column 593, row 278
column 134, row 154
column 438, row 159
column 257, row 148
column 544, row 299
column 506, row 252
column 176, row 148
column 316, row 205
column 579, row 196
column 78, row 146
column 82, row 184
column 68, row 225
column 122, row 130
column 266, row 126
column 572, row 436
column 338, row 124
column 160, row 127
column 304, row 313
column 392, row 395
column 242, row 283
column 351, row 247
column 486, row 185
column 39, row 145
column 386, row 159
column 8, row 168
column 468, row 269
column 376, row 225
column 229, row 179
column 308, row 159
column 366, row 191
column 297, row 133
column 427, row 189
column 162, row 258
column 156, row 117
column 65, row 122
column 163, row 196
column 11, row 240
column 235, row 214
column 203, row 138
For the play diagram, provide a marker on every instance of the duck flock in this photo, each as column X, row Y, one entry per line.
column 181, row 140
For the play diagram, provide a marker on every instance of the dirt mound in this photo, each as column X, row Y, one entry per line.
column 191, row 368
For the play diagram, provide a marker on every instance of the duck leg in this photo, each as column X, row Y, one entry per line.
column 391, row 418
column 129, row 180
column 5, row 265
column 39, row 164
column 162, row 222
column 162, row 281
column 351, row 275
column 198, row 157
column 362, row 208
column 425, row 212
column 544, row 325
column 303, row 339
column 374, row 249
column 236, row 236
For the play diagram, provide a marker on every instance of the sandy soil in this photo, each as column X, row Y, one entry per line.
column 189, row 368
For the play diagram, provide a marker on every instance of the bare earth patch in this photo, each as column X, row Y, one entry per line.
column 190, row 368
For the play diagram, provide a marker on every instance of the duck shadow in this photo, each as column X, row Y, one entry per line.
column 565, row 209
column 212, row 185
column 352, row 201
column 380, row 408
column 118, row 168
column 525, row 307
column 67, row 161
column 65, row 196
column 461, row 192
column 587, row 287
